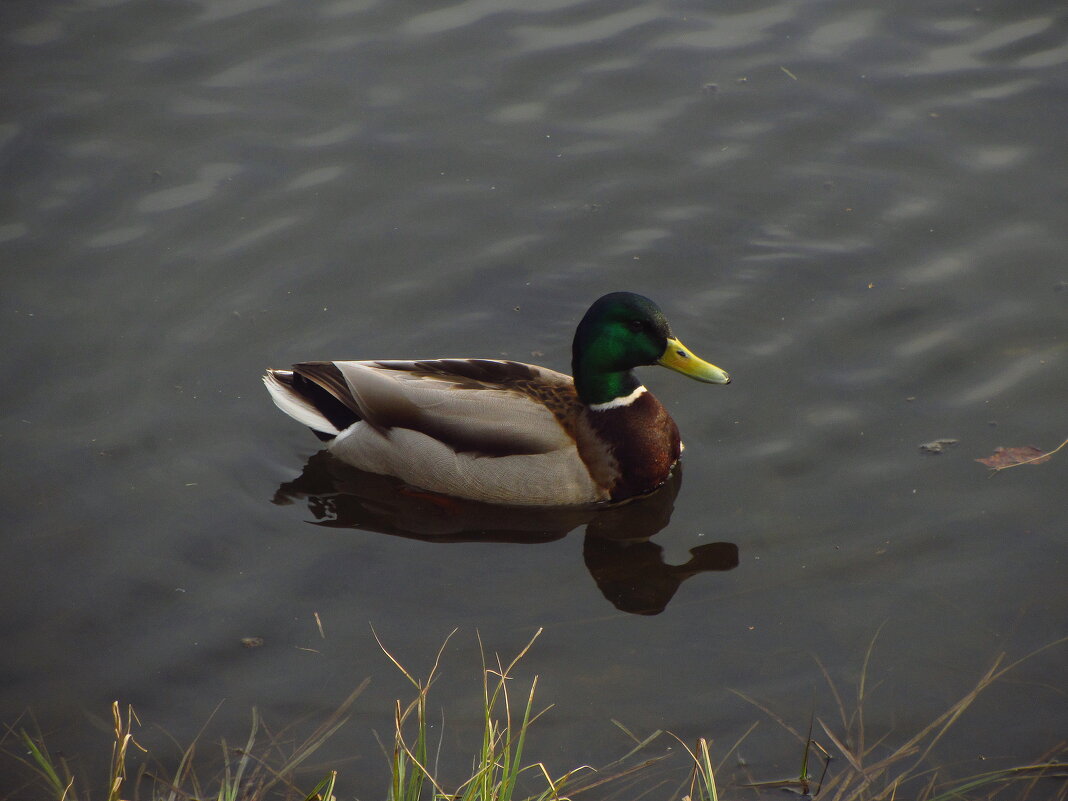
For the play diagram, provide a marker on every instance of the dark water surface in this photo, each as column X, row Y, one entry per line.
column 858, row 209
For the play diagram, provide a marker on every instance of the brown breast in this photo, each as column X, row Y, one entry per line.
column 643, row 441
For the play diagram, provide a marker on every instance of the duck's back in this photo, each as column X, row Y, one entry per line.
column 495, row 431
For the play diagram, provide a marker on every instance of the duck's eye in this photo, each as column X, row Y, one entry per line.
column 636, row 326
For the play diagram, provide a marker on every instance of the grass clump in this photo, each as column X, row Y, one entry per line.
column 702, row 776
column 54, row 774
column 498, row 764
column 265, row 767
column 856, row 765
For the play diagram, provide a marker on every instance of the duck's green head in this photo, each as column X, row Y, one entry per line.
column 622, row 331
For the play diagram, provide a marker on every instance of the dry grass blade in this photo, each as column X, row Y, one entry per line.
column 883, row 779
column 737, row 745
column 854, row 761
column 401, row 668
column 847, row 720
column 1029, row 773
column 184, row 771
column 604, row 778
column 338, row 718
column 123, row 738
column 614, row 771
column 934, row 731
column 767, row 711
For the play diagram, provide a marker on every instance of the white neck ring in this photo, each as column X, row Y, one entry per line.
column 619, row 403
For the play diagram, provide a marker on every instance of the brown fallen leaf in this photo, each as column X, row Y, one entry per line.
column 1007, row 457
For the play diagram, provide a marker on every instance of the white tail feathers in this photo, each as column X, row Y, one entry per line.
column 293, row 404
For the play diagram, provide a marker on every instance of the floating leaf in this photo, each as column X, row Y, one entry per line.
column 1007, row 457
column 938, row 445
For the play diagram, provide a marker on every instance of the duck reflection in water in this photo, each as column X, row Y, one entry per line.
column 629, row 569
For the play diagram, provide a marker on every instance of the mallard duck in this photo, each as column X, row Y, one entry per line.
column 502, row 431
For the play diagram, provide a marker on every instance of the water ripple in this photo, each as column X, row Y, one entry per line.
column 207, row 184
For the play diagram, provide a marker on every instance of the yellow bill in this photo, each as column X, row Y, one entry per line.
column 678, row 357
